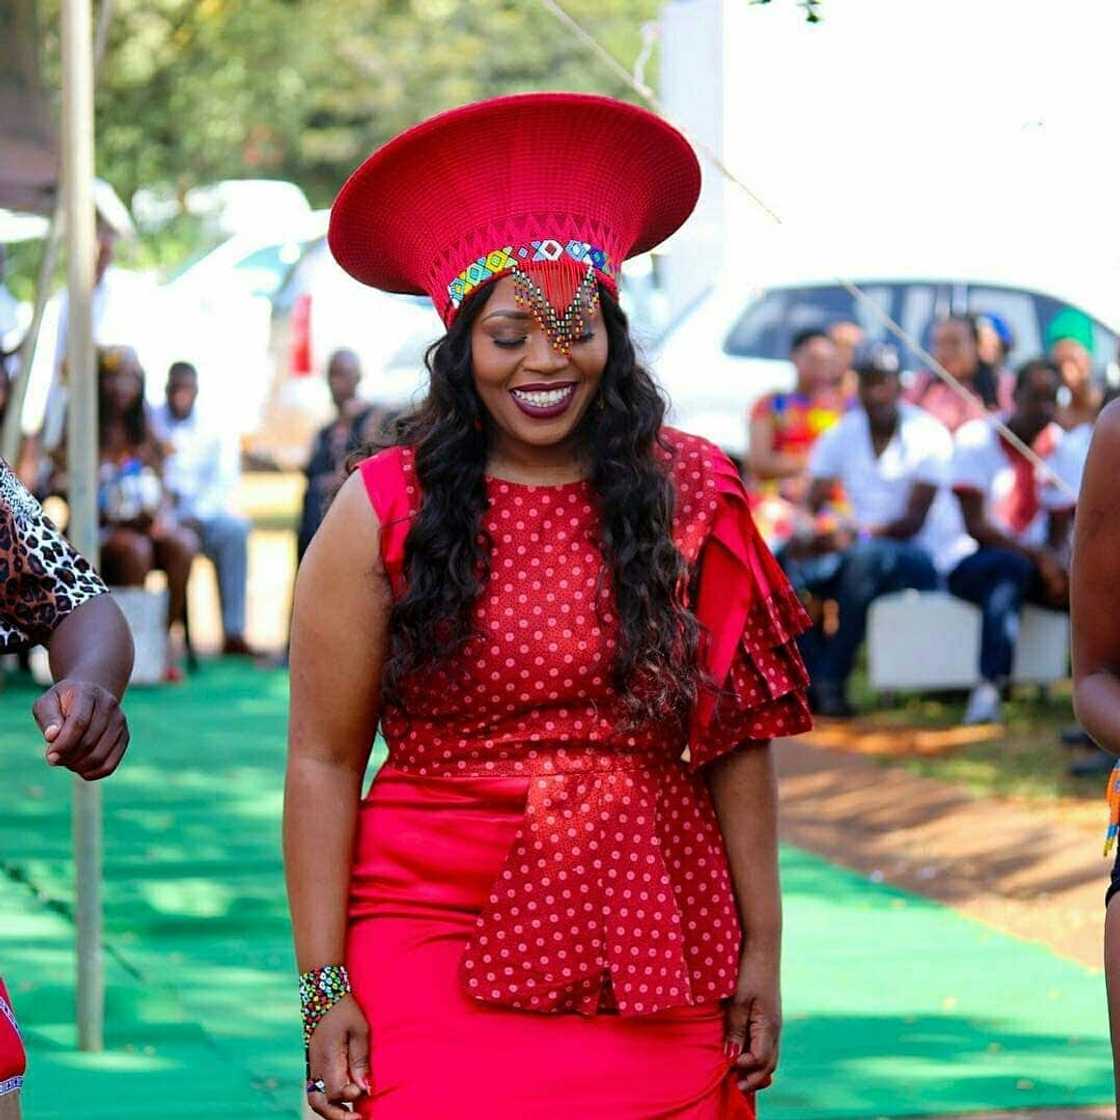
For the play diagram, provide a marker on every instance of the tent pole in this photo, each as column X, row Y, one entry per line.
column 78, row 165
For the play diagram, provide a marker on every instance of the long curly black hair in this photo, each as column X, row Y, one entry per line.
column 447, row 553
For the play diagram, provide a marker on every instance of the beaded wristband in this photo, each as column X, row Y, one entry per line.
column 319, row 990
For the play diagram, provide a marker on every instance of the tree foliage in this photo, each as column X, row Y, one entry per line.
column 198, row 90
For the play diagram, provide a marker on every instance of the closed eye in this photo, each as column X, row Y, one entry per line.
column 509, row 343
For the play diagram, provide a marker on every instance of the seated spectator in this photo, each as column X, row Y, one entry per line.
column 956, row 346
column 139, row 531
column 1081, row 401
column 356, row 424
column 892, row 461
column 995, row 346
column 1020, row 520
column 783, row 429
column 201, row 475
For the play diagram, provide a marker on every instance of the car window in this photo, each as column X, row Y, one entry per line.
column 269, row 266
column 1030, row 315
column 768, row 324
column 297, row 277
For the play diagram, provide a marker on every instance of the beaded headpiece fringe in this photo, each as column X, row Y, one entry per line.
column 562, row 295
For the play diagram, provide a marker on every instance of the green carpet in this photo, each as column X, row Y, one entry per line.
column 894, row 1006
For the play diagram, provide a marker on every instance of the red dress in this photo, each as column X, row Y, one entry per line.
column 542, row 922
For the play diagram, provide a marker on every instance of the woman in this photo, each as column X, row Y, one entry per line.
column 1095, row 606
column 956, row 346
column 783, row 429
column 139, row 532
column 49, row 595
column 543, row 597
column 1083, row 397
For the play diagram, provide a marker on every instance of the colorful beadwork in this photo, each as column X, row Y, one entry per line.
column 319, row 990
column 1113, row 809
column 563, row 326
column 545, row 249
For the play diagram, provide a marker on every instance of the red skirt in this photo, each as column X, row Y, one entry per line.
column 13, row 1060
column 427, row 854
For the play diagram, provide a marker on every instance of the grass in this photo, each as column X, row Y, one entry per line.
column 1023, row 759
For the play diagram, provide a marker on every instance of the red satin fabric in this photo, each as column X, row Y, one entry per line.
column 428, row 850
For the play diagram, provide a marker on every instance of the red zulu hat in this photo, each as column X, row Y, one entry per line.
column 556, row 188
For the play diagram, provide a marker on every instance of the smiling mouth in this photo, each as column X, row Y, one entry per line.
column 542, row 398
column 544, row 402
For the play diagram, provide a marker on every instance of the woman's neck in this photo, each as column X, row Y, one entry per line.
column 518, row 462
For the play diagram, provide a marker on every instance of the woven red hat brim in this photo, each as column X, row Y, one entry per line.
column 539, row 159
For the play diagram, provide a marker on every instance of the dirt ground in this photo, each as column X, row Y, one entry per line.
column 1034, row 870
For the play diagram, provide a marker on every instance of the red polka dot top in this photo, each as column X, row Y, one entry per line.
column 616, row 892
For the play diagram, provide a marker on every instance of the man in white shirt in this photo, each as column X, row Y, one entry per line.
column 1020, row 519
column 891, row 460
column 201, row 473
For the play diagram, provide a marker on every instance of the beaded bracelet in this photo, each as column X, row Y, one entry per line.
column 319, row 990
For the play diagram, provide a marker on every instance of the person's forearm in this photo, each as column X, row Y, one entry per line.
column 902, row 529
column 320, row 820
column 988, row 536
column 93, row 643
column 774, row 466
column 1096, row 703
column 745, row 795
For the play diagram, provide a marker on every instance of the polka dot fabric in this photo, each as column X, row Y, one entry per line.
column 615, row 894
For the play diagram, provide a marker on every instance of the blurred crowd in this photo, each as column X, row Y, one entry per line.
column 169, row 473
column 865, row 479
column 866, row 482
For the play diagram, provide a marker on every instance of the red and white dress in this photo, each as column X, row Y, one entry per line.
column 542, row 921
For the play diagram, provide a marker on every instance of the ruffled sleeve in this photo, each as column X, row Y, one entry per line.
column 751, row 619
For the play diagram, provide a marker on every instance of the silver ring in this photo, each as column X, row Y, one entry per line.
column 318, row 1085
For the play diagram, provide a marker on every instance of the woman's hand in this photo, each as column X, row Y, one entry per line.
column 339, row 1056
column 84, row 726
column 754, row 1021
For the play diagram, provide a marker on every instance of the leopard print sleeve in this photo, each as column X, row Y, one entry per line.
column 42, row 578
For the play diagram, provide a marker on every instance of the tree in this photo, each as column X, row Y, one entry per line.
column 198, row 90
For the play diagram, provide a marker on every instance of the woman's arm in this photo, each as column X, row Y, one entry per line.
column 339, row 636
column 745, row 794
column 80, row 716
column 1095, row 588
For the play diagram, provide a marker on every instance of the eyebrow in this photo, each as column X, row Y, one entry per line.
column 519, row 315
